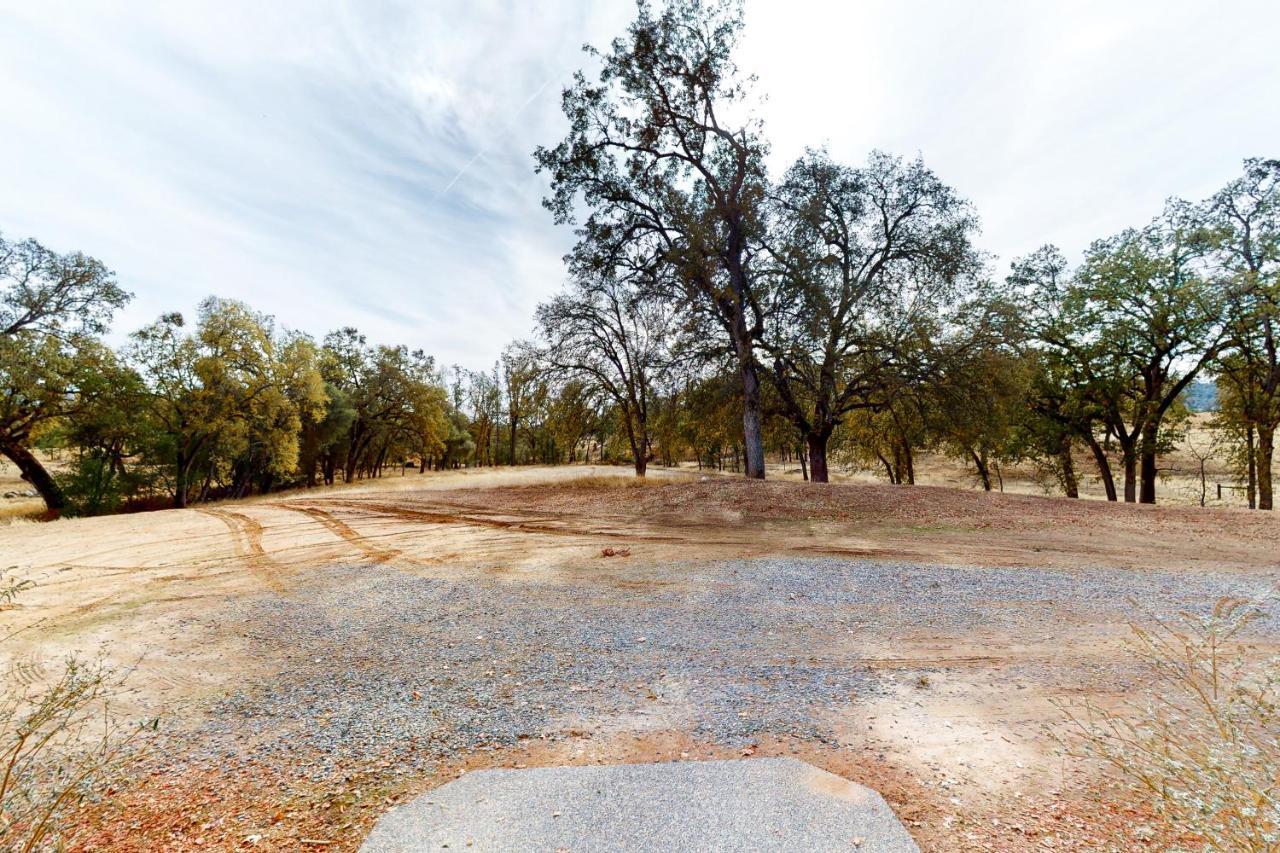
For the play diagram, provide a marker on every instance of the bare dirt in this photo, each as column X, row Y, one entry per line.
column 282, row 636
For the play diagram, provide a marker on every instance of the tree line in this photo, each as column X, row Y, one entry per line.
column 852, row 303
column 835, row 313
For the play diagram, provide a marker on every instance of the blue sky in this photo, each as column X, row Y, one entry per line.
column 369, row 164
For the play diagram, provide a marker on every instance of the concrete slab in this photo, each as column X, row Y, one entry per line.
column 752, row 804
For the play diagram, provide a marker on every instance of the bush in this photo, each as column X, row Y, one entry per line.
column 58, row 745
column 1204, row 746
column 91, row 487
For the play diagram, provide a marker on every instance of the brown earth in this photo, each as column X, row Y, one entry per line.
column 963, row 757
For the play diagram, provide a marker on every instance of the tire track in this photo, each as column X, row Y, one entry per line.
column 538, row 525
column 27, row 669
column 344, row 531
column 247, row 534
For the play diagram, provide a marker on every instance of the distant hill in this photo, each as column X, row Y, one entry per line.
column 1201, row 396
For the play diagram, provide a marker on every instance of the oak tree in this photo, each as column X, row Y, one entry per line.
column 664, row 156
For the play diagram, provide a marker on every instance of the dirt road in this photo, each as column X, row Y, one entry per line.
column 320, row 655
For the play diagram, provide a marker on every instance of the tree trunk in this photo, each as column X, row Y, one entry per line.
column 1068, row 467
column 1129, row 455
column 1252, row 465
column 817, row 443
column 638, row 456
column 35, row 474
column 804, row 463
column 980, row 462
column 354, row 449
column 206, row 488
column 1104, row 467
column 308, row 465
column 1148, row 493
column 888, row 468
column 753, row 437
column 909, row 458
column 1266, row 449
column 180, row 483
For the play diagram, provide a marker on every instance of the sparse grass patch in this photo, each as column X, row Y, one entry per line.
column 1204, row 745
column 622, row 481
column 59, row 745
column 21, row 512
column 600, row 482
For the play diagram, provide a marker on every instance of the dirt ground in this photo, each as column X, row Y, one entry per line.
column 953, row 732
column 1180, row 483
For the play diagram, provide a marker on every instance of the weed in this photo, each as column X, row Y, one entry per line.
column 59, row 745
column 1204, row 746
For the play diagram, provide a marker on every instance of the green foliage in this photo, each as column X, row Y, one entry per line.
column 977, row 409
column 1244, row 218
column 52, row 307
column 225, row 403
column 1124, row 336
column 390, row 405
column 93, row 487
column 44, row 293
column 861, row 259
column 663, row 155
column 711, row 419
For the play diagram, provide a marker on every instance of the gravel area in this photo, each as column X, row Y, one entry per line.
column 368, row 660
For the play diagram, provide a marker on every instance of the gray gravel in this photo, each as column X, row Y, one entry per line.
column 370, row 661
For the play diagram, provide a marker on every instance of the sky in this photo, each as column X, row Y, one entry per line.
column 370, row 163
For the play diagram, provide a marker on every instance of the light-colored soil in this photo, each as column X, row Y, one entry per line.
column 952, row 733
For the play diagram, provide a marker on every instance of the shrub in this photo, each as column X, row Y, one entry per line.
column 58, row 745
column 1203, row 747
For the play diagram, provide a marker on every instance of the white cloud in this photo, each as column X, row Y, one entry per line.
column 352, row 164
column 1064, row 122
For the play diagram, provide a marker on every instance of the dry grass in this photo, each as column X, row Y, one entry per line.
column 598, row 482
column 1203, row 747
column 17, row 510
column 59, row 744
column 21, row 512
